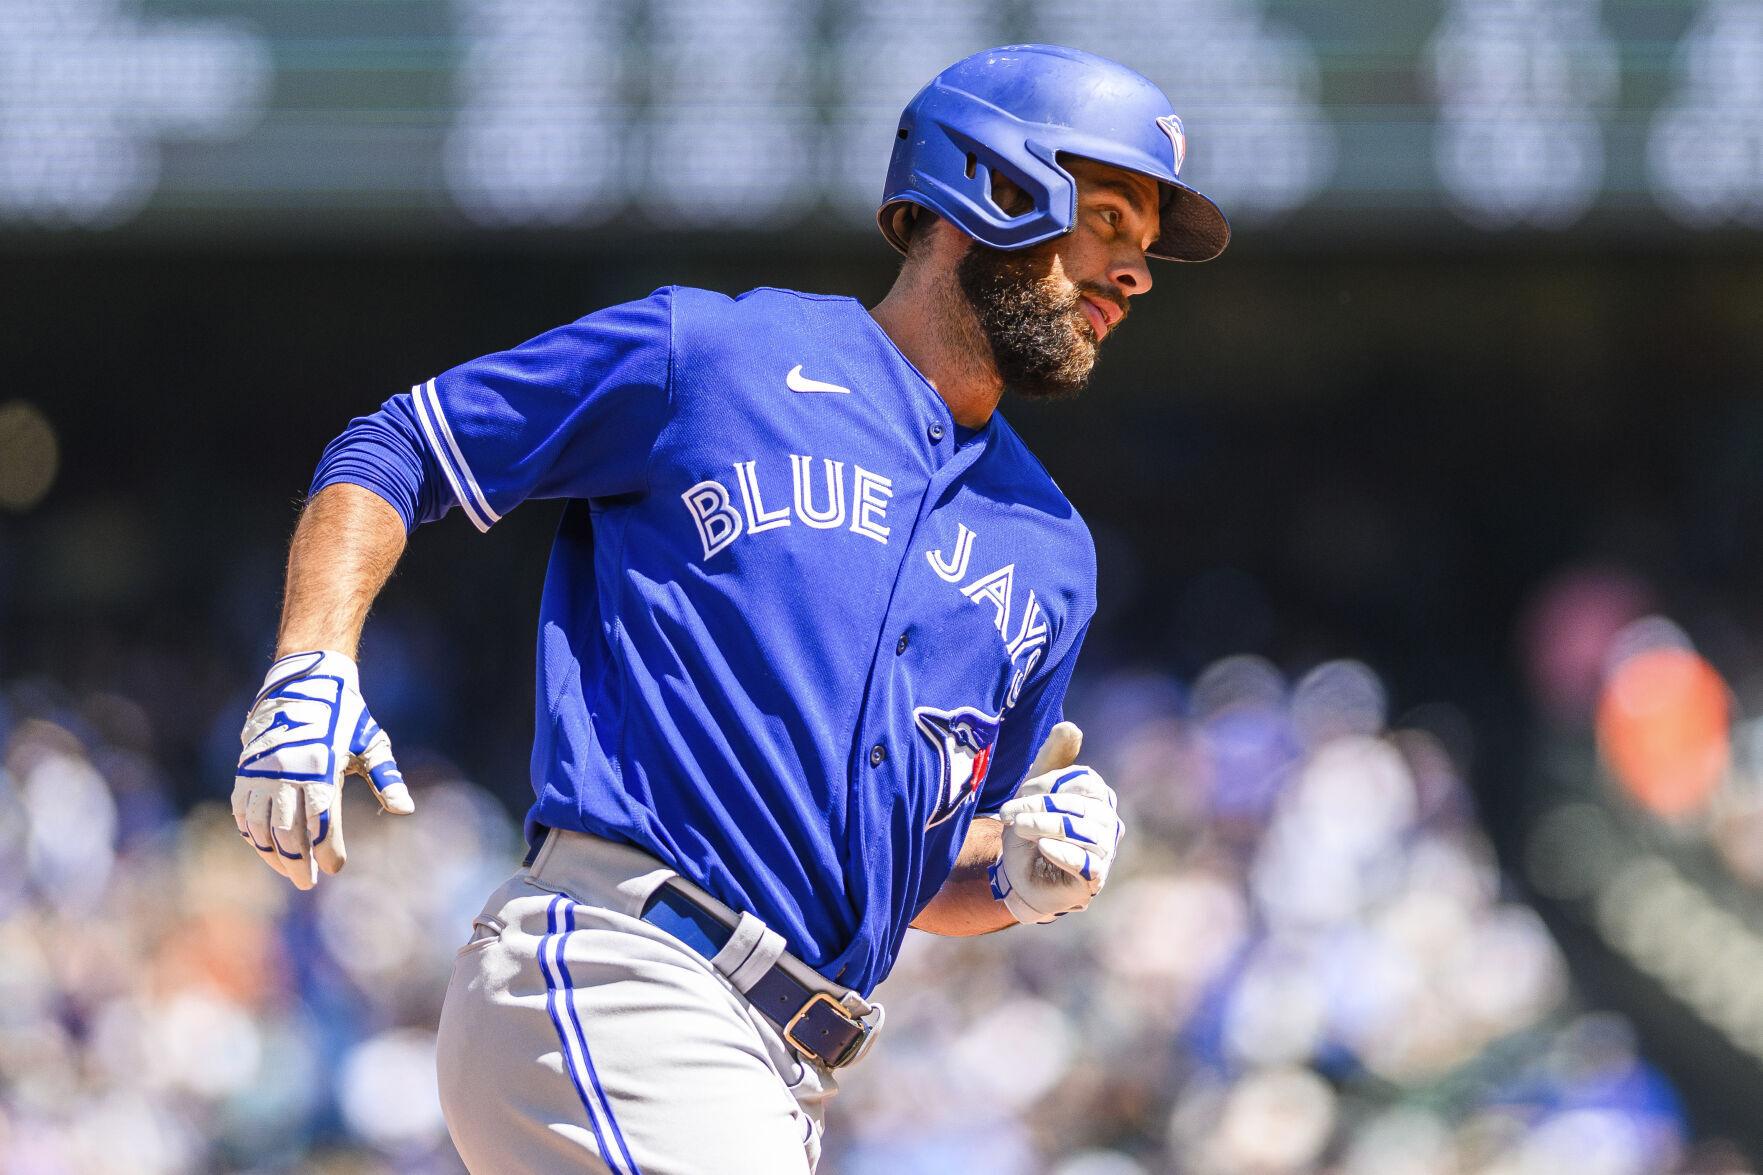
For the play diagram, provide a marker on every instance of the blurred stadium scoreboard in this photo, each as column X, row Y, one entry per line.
column 426, row 117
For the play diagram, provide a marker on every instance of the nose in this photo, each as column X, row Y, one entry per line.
column 1130, row 273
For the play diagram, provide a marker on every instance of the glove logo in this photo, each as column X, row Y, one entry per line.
column 964, row 739
column 283, row 721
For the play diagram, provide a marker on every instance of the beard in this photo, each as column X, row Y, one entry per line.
column 1030, row 315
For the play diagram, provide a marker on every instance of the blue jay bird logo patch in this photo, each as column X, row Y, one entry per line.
column 964, row 739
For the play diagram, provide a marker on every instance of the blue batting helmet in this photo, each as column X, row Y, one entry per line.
column 1013, row 111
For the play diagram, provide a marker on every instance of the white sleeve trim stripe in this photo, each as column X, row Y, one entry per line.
column 418, row 400
column 483, row 503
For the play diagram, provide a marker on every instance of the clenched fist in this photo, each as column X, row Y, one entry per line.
column 1063, row 816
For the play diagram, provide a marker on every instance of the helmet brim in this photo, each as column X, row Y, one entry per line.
column 1194, row 228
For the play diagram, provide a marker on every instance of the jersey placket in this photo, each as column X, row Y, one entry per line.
column 883, row 730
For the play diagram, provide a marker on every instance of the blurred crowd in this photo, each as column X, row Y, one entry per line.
column 168, row 1005
column 1308, row 961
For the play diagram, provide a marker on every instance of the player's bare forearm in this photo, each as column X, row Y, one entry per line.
column 965, row 906
column 344, row 549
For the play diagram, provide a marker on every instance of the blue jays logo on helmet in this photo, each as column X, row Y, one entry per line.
column 1178, row 139
column 964, row 739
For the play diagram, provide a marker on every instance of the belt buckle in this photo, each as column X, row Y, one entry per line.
column 847, row 1054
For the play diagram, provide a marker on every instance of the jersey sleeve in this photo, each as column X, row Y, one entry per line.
column 384, row 452
column 573, row 413
column 1026, row 726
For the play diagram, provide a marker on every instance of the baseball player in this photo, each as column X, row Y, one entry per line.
column 810, row 613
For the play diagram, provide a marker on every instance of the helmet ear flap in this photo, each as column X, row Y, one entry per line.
column 953, row 147
column 1030, row 182
column 1008, row 197
column 994, row 185
column 1010, row 189
column 903, row 220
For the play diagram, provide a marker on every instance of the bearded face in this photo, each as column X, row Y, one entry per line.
column 1030, row 314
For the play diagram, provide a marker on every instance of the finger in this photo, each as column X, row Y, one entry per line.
column 265, row 847
column 293, row 846
column 380, row 769
column 324, row 824
column 1058, row 826
column 1020, row 806
column 283, row 810
column 257, row 806
column 241, row 793
column 1060, row 750
column 1083, row 819
column 1081, row 781
column 1062, row 804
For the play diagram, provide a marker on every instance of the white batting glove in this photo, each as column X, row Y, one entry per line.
column 306, row 729
column 1063, row 816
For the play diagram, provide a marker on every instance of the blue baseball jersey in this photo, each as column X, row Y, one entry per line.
column 797, row 626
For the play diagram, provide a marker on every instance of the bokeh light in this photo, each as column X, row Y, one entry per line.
column 30, row 456
column 1664, row 728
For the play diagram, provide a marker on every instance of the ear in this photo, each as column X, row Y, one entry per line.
column 904, row 221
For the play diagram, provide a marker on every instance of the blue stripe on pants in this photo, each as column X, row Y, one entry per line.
column 555, row 941
column 569, row 908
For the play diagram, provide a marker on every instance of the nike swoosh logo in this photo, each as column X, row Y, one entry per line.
column 801, row 383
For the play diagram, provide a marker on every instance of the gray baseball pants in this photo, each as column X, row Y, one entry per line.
column 577, row 1037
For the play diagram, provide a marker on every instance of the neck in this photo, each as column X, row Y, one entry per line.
column 930, row 321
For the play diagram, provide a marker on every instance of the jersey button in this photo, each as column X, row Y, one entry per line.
column 936, row 433
column 878, row 755
column 900, row 645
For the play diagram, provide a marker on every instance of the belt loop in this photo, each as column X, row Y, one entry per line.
column 749, row 952
column 636, row 891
